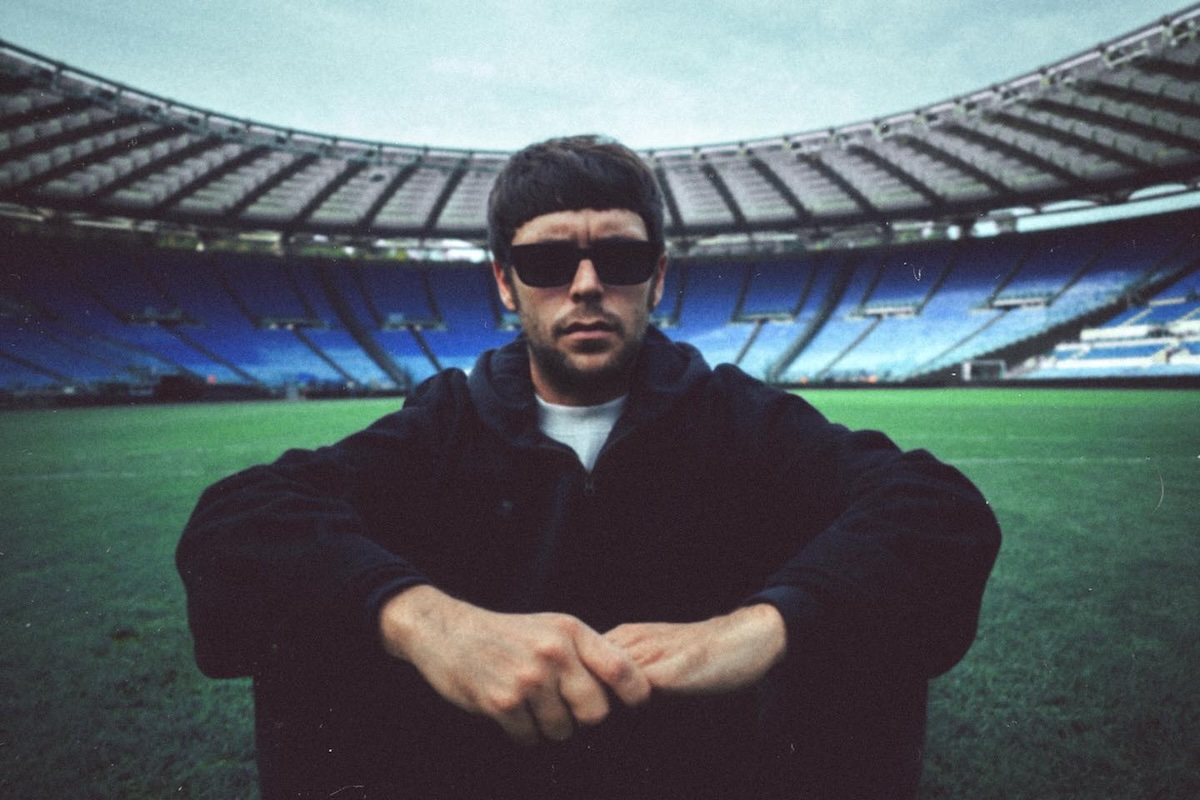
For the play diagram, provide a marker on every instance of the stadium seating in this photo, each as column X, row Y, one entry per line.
column 1160, row 338
column 841, row 328
column 54, row 302
column 470, row 311
column 78, row 317
column 704, row 308
column 778, row 334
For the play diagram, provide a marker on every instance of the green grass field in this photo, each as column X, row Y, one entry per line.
column 1082, row 684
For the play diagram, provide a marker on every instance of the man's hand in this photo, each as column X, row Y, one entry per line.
column 537, row 675
column 722, row 654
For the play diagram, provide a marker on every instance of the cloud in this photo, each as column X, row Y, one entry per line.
column 500, row 73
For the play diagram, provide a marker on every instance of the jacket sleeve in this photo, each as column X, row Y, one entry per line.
column 287, row 559
column 888, row 570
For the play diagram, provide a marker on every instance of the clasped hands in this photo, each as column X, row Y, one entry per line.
column 541, row 675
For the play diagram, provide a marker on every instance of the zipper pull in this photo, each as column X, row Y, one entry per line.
column 589, row 486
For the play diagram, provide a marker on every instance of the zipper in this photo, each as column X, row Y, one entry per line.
column 589, row 482
column 589, row 478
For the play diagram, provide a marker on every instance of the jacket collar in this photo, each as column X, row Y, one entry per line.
column 502, row 389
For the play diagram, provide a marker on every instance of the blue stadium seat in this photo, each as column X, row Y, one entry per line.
column 79, row 314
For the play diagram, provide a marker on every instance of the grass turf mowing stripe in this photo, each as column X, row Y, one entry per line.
column 1082, row 682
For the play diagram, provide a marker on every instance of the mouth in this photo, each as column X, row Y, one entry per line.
column 598, row 326
column 589, row 335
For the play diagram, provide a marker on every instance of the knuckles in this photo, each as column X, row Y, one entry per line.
column 566, row 624
column 506, row 703
column 553, row 649
column 552, row 654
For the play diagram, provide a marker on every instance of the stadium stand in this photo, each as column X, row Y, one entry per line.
column 148, row 242
column 471, row 312
column 779, row 338
column 704, row 300
column 1158, row 338
column 879, row 315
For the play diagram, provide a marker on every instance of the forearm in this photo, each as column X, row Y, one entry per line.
column 895, row 581
column 271, row 569
column 723, row 654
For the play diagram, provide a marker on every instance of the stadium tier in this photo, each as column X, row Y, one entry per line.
column 1156, row 338
column 1118, row 299
column 154, row 247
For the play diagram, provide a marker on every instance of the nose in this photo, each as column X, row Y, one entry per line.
column 586, row 281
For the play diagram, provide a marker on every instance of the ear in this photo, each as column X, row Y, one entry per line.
column 660, row 275
column 507, row 294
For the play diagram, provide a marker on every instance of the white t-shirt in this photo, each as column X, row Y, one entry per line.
column 584, row 429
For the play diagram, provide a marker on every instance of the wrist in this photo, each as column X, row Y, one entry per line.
column 403, row 616
column 765, row 626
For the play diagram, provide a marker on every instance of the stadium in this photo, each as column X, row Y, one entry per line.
column 1014, row 273
column 257, row 259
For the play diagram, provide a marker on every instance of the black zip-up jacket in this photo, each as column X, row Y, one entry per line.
column 712, row 491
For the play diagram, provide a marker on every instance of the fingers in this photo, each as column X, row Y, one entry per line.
column 628, row 636
column 553, row 713
column 555, row 716
column 584, row 696
column 574, row 692
column 583, row 670
column 610, row 664
column 519, row 725
column 529, row 714
column 718, row 655
column 539, row 675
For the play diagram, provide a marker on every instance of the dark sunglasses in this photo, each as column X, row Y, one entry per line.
column 618, row 262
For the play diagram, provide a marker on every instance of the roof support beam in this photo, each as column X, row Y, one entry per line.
column 933, row 198
column 1031, row 160
column 777, row 183
column 444, row 196
column 930, row 150
column 123, row 147
column 153, row 166
column 843, row 184
column 32, row 116
column 1046, row 131
column 210, row 177
column 1128, row 95
column 398, row 180
column 676, row 224
column 718, row 183
column 348, row 172
column 14, row 84
column 44, row 144
column 1155, row 65
column 1121, row 124
column 298, row 164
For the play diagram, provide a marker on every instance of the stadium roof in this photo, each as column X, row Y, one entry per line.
column 1097, row 127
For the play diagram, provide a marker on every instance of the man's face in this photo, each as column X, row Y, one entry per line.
column 583, row 337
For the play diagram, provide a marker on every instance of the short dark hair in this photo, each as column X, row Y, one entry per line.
column 570, row 174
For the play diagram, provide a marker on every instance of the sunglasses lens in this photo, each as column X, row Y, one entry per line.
column 624, row 263
column 545, row 264
column 618, row 262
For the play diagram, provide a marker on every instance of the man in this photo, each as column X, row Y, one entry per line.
column 595, row 567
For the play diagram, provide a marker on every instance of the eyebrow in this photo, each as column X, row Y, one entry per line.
column 566, row 232
column 571, row 240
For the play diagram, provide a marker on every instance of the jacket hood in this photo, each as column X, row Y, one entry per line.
column 502, row 389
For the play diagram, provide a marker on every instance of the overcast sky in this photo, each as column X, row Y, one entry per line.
column 499, row 74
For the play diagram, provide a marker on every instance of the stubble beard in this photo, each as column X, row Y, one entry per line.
column 605, row 381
